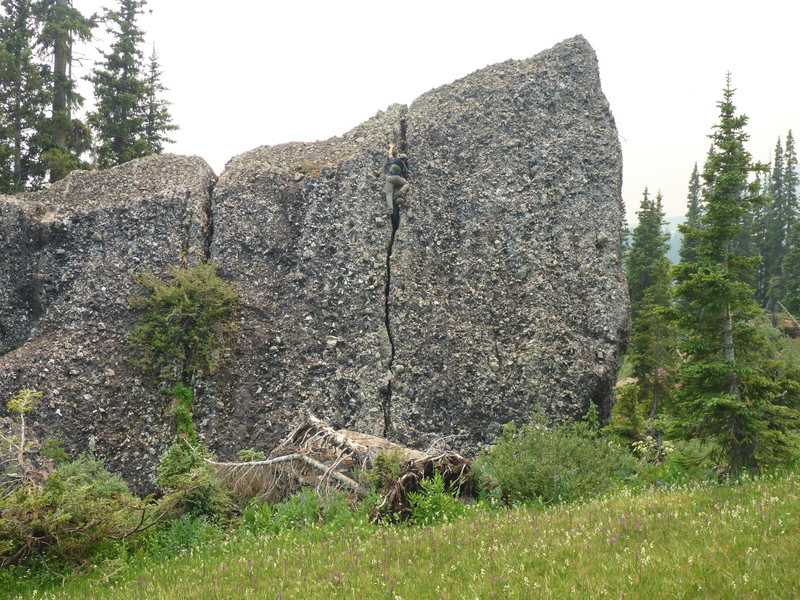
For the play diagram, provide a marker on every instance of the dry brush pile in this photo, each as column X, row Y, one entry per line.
column 319, row 456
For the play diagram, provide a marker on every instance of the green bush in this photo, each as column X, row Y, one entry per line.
column 250, row 455
column 628, row 414
column 70, row 516
column 191, row 482
column 434, row 503
column 689, row 461
column 565, row 463
column 385, row 470
column 183, row 402
column 301, row 510
column 186, row 322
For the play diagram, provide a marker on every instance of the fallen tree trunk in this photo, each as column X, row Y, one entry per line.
column 317, row 455
column 272, row 479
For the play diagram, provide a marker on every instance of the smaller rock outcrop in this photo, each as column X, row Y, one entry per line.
column 68, row 256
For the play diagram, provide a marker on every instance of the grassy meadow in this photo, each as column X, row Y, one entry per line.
column 738, row 540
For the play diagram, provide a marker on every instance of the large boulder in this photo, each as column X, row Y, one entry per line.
column 67, row 259
column 497, row 293
column 507, row 292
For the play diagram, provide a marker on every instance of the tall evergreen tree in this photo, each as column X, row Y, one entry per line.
column 693, row 214
column 790, row 264
column 624, row 239
column 790, row 181
column 791, row 267
column 158, row 121
column 62, row 26
column 774, row 229
column 653, row 351
column 762, row 215
column 728, row 396
column 649, row 244
column 120, row 90
column 24, row 98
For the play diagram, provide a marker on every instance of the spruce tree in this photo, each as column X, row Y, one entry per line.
column 790, row 182
column 648, row 245
column 653, row 351
column 728, row 394
column 158, row 121
column 624, row 239
column 69, row 138
column 24, row 98
column 693, row 213
column 790, row 264
column 120, row 90
column 790, row 179
column 774, row 232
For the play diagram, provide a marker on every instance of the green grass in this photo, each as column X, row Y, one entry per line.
column 734, row 541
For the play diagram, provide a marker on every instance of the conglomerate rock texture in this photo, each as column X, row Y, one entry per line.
column 499, row 291
column 67, row 256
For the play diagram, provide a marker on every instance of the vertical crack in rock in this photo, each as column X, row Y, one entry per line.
column 35, row 289
column 208, row 209
column 387, row 402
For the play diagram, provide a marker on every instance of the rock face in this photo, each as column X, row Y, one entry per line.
column 497, row 292
column 506, row 281
column 66, row 259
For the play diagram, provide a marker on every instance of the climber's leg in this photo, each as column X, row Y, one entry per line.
column 391, row 182
column 403, row 192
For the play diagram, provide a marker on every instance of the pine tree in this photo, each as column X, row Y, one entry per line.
column 24, row 97
column 762, row 213
column 728, row 394
column 774, row 228
column 653, row 352
column 158, row 121
column 790, row 183
column 624, row 239
column 790, row 179
column 790, row 265
column 120, row 90
column 693, row 214
column 62, row 25
column 648, row 245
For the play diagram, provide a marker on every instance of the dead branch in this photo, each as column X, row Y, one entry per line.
column 316, row 455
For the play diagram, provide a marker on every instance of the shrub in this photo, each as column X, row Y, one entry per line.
column 183, row 402
column 250, row 455
column 191, row 482
column 535, row 463
column 627, row 418
column 385, row 470
column 301, row 510
column 688, row 461
column 434, row 503
column 186, row 324
column 53, row 449
column 16, row 443
column 70, row 516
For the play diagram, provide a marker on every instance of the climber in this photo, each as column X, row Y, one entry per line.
column 396, row 171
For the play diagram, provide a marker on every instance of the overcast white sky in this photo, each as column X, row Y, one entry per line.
column 245, row 73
